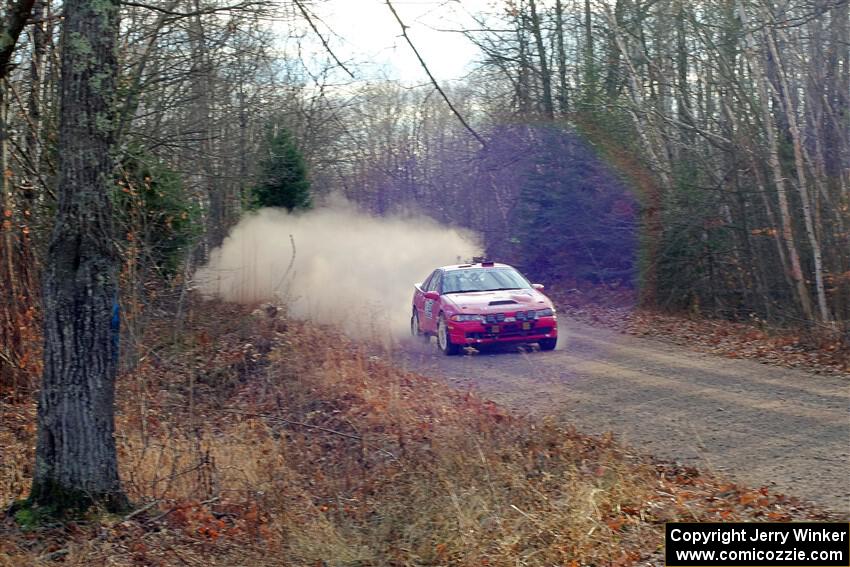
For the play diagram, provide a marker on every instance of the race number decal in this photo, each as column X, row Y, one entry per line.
column 429, row 308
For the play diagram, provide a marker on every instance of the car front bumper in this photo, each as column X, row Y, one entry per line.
column 477, row 333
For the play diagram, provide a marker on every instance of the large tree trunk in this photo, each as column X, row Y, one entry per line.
column 76, row 460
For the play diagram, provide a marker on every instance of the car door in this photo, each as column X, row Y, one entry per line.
column 419, row 296
column 431, row 307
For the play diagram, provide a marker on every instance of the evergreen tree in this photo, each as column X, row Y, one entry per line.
column 283, row 176
column 153, row 206
column 574, row 217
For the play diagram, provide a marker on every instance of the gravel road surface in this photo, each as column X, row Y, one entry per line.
column 757, row 424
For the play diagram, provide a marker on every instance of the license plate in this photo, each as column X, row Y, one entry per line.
column 526, row 326
column 494, row 329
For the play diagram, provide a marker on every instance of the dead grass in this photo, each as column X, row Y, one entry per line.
column 258, row 440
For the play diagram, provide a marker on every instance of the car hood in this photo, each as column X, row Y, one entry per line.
column 506, row 301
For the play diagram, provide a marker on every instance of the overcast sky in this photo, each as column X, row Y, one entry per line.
column 365, row 33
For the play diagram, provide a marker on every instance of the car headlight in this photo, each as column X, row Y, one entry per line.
column 466, row 317
column 548, row 312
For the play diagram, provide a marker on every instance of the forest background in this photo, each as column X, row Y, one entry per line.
column 697, row 152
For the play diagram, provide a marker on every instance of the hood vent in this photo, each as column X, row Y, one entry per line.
column 503, row 302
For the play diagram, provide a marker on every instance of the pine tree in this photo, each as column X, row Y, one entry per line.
column 574, row 217
column 283, row 176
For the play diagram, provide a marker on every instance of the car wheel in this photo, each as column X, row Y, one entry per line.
column 444, row 341
column 416, row 330
column 548, row 344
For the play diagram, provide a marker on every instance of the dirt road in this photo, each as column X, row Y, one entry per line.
column 759, row 425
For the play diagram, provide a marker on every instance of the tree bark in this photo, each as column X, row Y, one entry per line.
column 76, row 461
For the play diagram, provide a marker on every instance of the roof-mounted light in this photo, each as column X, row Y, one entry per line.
column 483, row 261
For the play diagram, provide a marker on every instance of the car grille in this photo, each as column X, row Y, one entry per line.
column 519, row 315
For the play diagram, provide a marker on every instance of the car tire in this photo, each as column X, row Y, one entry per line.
column 548, row 344
column 444, row 341
column 416, row 329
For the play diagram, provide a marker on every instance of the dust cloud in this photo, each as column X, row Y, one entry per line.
column 348, row 268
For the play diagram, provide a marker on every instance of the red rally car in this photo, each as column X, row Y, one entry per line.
column 479, row 304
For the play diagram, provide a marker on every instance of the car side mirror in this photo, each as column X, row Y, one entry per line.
column 432, row 295
column 538, row 286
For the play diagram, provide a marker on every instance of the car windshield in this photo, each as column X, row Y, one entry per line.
column 483, row 279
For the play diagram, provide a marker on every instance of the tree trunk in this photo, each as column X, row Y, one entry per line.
column 9, row 322
column 545, row 77
column 683, row 106
column 838, row 161
column 589, row 55
column 8, row 205
column 802, row 183
column 76, row 461
column 563, row 93
column 760, row 76
column 39, row 46
column 18, row 14
column 523, row 90
column 613, row 78
column 203, row 89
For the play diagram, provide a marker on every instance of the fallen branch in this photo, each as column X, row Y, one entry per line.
column 298, row 423
column 173, row 508
column 5, row 358
column 141, row 510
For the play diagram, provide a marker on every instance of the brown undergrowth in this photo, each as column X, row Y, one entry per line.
column 258, row 440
